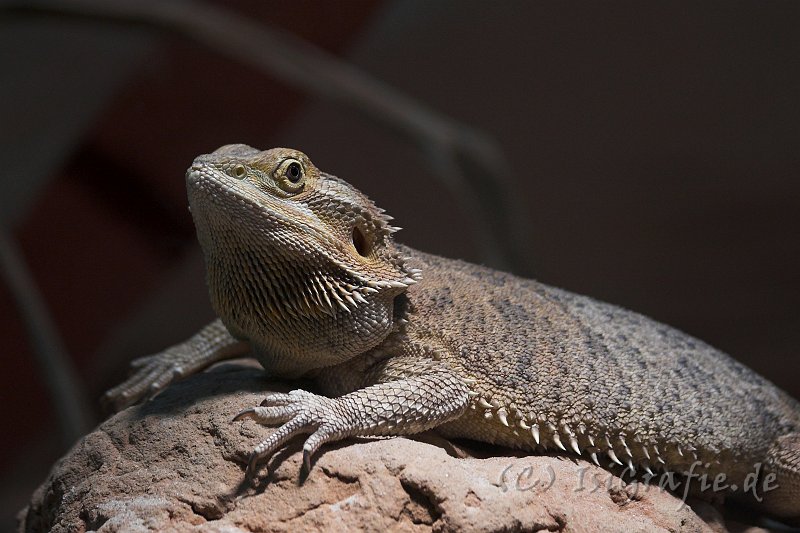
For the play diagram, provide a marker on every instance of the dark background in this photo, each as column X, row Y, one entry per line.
column 654, row 149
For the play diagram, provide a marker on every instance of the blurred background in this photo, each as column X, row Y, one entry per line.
column 647, row 155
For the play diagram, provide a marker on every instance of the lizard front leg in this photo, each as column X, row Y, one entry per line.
column 153, row 373
column 428, row 395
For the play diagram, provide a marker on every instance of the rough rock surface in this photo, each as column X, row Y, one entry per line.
column 177, row 462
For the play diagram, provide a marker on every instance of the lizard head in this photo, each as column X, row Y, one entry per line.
column 298, row 261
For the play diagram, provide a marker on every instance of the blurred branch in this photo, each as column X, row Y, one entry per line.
column 59, row 375
column 466, row 160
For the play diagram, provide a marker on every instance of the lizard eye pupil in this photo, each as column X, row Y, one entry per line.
column 239, row 171
column 294, row 172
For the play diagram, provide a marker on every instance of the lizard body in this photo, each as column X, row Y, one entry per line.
column 303, row 270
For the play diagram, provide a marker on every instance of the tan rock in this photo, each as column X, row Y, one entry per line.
column 176, row 463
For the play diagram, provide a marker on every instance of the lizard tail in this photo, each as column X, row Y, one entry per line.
column 782, row 496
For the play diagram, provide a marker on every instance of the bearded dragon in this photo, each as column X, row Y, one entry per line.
column 304, row 273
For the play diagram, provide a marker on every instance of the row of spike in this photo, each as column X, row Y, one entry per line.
column 321, row 292
column 318, row 293
column 494, row 410
column 369, row 212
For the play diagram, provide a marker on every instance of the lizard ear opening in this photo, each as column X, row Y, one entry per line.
column 360, row 242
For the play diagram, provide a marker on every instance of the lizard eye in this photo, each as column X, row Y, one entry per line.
column 239, row 171
column 290, row 175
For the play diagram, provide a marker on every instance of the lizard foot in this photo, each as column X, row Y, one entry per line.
column 151, row 375
column 300, row 412
column 154, row 372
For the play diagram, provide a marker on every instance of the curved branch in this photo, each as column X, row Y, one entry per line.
column 56, row 367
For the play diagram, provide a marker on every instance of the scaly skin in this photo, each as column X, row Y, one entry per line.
column 303, row 271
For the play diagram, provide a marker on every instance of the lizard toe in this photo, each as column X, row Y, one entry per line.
column 130, row 391
column 271, row 444
column 313, row 443
column 279, row 399
column 268, row 415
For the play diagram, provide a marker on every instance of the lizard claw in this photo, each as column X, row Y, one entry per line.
column 247, row 413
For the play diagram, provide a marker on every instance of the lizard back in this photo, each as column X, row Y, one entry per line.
column 568, row 370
